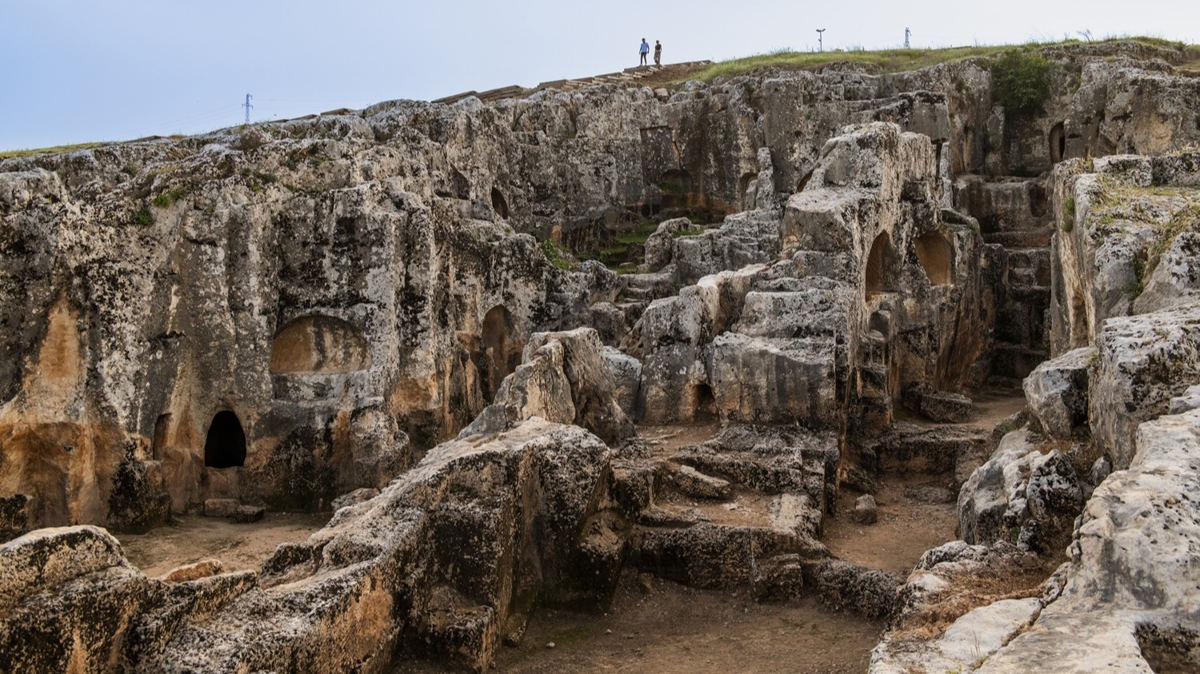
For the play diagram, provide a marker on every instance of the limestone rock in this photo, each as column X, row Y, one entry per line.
column 627, row 375
column 565, row 378
column 1187, row 402
column 1057, row 392
column 248, row 514
column 354, row 498
column 660, row 246
column 1054, row 498
column 865, row 511
column 946, row 407
column 196, row 571
column 1176, row 278
column 1143, row 362
column 694, row 483
column 221, row 507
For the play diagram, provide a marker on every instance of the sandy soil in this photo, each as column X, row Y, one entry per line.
column 193, row 538
column 674, row 629
column 907, row 527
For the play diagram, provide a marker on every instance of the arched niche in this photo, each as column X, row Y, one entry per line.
column 881, row 263
column 936, row 257
column 675, row 181
column 225, row 443
column 319, row 345
column 1058, row 143
column 501, row 349
column 499, row 204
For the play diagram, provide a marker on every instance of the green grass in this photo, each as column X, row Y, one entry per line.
column 555, row 254
column 1068, row 215
column 57, row 149
column 169, row 197
column 895, row 60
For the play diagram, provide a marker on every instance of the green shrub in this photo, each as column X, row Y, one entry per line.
column 165, row 199
column 143, row 216
column 554, row 254
column 1021, row 81
column 1068, row 215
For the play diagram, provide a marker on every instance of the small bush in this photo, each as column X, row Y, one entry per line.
column 143, row 216
column 1021, row 81
column 165, row 199
column 554, row 254
column 1068, row 215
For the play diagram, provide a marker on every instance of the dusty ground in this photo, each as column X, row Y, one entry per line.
column 193, row 538
column 907, row 527
column 677, row 630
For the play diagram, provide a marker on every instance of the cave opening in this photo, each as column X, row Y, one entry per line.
column 502, row 353
column 225, row 445
column 499, row 205
column 1058, row 144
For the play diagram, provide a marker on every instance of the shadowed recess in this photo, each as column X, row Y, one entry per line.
column 225, row 446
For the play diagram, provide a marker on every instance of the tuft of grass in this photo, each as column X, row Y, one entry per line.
column 57, row 149
column 143, row 216
column 165, row 199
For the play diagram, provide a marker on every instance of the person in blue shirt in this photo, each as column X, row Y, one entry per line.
column 644, row 50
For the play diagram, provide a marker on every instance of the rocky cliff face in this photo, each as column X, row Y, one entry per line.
column 287, row 312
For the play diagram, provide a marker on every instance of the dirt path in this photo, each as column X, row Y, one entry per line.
column 193, row 538
column 907, row 526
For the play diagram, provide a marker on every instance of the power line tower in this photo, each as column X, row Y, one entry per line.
column 820, row 39
column 907, row 33
column 248, row 107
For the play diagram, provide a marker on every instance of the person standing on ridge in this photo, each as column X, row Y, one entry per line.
column 657, row 53
column 643, row 51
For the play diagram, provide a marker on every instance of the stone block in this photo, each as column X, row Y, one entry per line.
column 1057, row 393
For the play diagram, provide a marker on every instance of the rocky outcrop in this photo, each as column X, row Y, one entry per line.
column 1142, row 363
column 1021, row 495
column 565, row 379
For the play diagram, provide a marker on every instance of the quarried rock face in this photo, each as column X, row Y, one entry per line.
column 1143, row 362
column 441, row 563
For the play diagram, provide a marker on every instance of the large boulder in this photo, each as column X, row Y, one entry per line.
column 566, row 379
column 1057, row 392
column 1021, row 495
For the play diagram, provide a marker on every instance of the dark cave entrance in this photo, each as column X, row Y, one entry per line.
column 1058, row 144
column 225, row 446
column 499, row 205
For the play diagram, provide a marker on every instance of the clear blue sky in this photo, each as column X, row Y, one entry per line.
column 89, row 70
